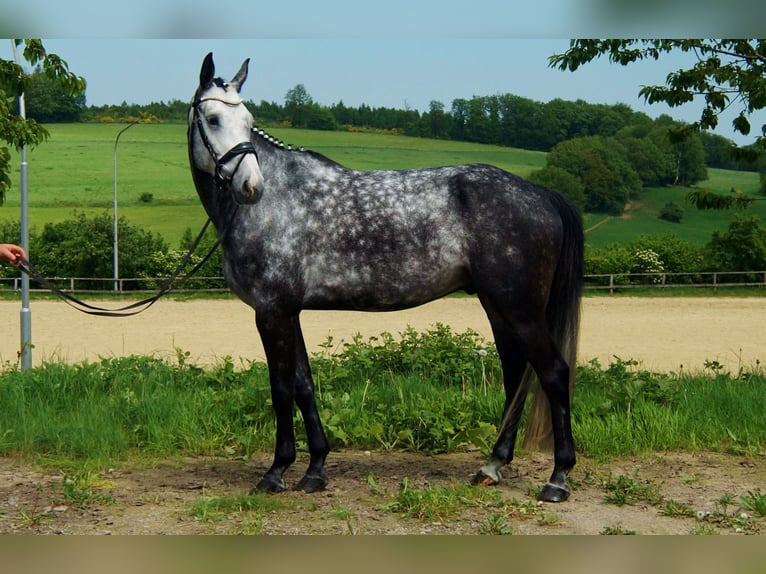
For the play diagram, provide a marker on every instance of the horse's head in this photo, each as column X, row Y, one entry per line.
column 220, row 134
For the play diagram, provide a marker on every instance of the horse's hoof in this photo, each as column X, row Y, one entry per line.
column 553, row 493
column 481, row 478
column 269, row 484
column 312, row 483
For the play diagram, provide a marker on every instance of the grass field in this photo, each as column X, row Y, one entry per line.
column 696, row 225
column 74, row 171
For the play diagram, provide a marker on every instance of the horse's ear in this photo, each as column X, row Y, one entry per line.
column 241, row 76
column 208, row 70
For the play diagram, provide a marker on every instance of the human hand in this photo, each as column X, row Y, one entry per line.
column 12, row 253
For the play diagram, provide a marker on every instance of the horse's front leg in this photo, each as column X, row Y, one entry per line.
column 315, row 478
column 278, row 334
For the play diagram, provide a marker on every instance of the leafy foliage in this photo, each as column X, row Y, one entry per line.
column 47, row 102
column 648, row 254
column 83, row 247
column 726, row 73
column 601, row 165
column 16, row 130
column 672, row 212
column 742, row 247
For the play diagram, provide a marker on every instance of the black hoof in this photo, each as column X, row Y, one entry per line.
column 269, row 484
column 553, row 493
column 312, row 483
column 483, row 479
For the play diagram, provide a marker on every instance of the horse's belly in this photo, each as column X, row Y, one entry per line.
column 389, row 289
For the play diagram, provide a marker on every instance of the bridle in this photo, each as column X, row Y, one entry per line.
column 240, row 150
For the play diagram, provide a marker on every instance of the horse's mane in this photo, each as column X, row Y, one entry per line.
column 279, row 144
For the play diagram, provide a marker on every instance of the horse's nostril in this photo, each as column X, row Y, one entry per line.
column 252, row 189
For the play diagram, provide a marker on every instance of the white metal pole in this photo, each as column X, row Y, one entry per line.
column 114, row 247
column 25, row 352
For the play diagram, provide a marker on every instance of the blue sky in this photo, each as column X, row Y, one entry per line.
column 396, row 54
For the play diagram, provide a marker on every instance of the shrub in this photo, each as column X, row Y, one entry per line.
column 83, row 247
column 742, row 247
column 672, row 212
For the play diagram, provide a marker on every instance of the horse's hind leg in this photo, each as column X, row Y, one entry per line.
column 315, row 478
column 531, row 339
column 514, row 365
column 553, row 374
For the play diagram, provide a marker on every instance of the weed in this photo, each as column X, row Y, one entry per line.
column 432, row 392
column 704, row 530
column 673, row 508
column 623, row 490
column 754, row 501
column 374, row 488
column 740, row 522
column 723, row 503
column 547, row 519
column 82, row 489
column 439, row 503
column 495, row 524
column 32, row 519
column 342, row 513
column 215, row 509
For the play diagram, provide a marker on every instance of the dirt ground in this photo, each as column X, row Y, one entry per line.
column 159, row 499
column 664, row 334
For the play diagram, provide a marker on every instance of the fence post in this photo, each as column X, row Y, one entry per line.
column 611, row 283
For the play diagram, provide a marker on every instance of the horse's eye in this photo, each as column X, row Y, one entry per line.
column 214, row 121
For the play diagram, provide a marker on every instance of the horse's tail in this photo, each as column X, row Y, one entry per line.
column 563, row 317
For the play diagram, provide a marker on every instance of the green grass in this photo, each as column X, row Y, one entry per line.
column 696, row 226
column 73, row 170
column 98, row 413
column 625, row 410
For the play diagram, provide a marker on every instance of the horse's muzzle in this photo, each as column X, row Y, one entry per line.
column 250, row 191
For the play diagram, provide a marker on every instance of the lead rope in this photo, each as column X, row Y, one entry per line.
column 144, row 304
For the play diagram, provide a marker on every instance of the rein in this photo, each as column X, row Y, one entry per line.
column 238, row 151
column 139, row 306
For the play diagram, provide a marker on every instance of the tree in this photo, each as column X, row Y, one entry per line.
column 14, row 80
column 439, row 123
column 726, row 73
column 297, row 103
column 46, row 102
column 562, row 181
column 608, row 180
column 317, row 117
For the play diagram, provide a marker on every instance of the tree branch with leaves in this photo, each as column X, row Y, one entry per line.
column 18, row 131
column 726, row 74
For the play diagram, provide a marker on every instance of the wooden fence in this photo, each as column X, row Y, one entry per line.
column 711, row 280
column 611, row 282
